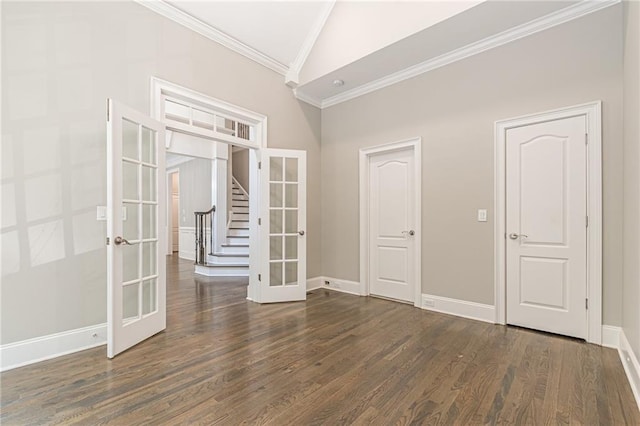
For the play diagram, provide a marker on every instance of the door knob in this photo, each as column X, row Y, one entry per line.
column 411, row 232
column 515, row 236
column 301, row 232
column 119, row 240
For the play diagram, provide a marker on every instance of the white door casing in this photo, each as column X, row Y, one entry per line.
column 175, row 214
column 546, row 226
column 390, row 211
column 282, row 228
column 546, row 254
column 160, row 90
column 392, row 237
column 136, row 203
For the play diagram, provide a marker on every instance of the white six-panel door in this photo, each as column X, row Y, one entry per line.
column 391, row 219
column 546, row 245
column 136, row 209
column 283, row 276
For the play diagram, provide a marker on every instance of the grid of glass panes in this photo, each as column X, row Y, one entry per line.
column 206, row 119
column 283, row 221
column 139, row 221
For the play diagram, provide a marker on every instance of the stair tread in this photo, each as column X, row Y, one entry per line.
column 223, row 265
column 235, row 245
column 230, row 254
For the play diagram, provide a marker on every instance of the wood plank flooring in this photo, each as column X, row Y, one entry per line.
column 335, row 359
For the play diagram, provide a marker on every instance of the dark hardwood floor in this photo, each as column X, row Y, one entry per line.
column 334, row 359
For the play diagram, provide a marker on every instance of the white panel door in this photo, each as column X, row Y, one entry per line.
column 546, row 226
column 391, row 221
column 136, row 209
column 283, row 217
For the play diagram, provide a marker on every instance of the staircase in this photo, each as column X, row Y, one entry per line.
column 233, row 259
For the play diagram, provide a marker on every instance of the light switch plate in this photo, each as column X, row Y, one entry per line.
column 101, row 213
column 482, row 215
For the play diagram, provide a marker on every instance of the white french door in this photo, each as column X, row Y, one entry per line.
column 546, row 228
column 283, row 276
column 136, row 289
column 391, row 230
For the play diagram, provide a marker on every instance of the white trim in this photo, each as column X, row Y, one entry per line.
column 160, row 88
column 611, row 336
column 343, row 286
column 308, row 99
column 631, row 366
column 551, row 20
column 30, row 351
column 296, row 66
column 459, row 308
column 314, row 283
column 194, row 24
column 592, row 112
column 221, row 270
column 169, row 216
column 415, row 144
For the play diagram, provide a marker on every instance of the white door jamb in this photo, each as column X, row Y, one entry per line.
column 593, row 139
column 169, row 226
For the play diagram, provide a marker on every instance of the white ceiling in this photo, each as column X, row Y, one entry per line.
column 281, row 35
column 277, row 29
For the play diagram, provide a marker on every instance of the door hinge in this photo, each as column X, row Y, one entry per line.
column 108, row 241
column 586, row 303
column 259, row 277
column 259, row 221
column 586, row 138
column 259, row 165
column 587, row 220
column 505, row 235
column 107, row 110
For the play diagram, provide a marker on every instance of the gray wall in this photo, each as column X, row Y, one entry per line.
column 454, row 109
column 60, row 61
column 195, row 189
column 241, row 168
column 631, row 291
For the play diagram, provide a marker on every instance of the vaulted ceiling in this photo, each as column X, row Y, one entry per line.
column 329, row 52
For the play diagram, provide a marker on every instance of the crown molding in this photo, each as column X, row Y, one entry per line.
column 551, row 20
column 310, row 40
column 308, row 99
column 194, row 24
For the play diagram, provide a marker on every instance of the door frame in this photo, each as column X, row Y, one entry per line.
column 158, row 90
column 169, row 227
column 414, row 145
column 593, row 114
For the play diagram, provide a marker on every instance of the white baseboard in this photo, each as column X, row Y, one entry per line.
column 315, row 283
column 30, row 351
column 631, row 366
column 187, row 255
column 459, row 308
column 611, row 336
column 343, row 286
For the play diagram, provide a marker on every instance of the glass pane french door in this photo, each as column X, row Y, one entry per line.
column 136, row 199
column 284, row 177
